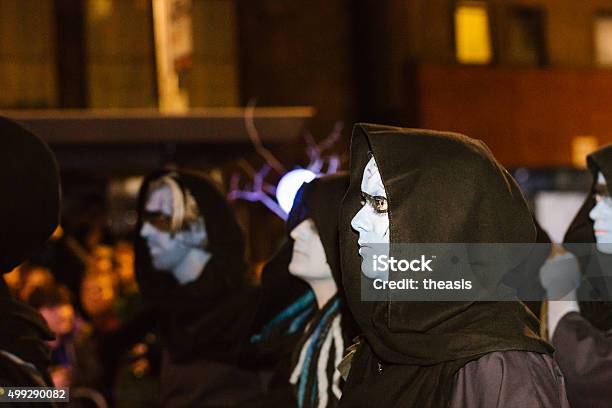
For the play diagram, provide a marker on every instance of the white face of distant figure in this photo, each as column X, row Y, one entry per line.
column 308, row 261
column 166, row 248
column 372, row 220
column 601, row 214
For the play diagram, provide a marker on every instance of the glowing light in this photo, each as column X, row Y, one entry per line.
column 581, row 147
column 603, row 40
column 289, row 185
column 472, row 37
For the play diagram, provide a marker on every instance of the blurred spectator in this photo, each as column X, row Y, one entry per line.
column 124, row 266
column 98, row 297
column 74, row 359
column 102, row 258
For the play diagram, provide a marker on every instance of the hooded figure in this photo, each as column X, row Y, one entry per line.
column 320, row 350
column 190, row 266
column 29, row 213
column 582, row 331
column 439, row 188
column 316, row 324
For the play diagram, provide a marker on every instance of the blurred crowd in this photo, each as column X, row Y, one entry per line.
column 105, row 346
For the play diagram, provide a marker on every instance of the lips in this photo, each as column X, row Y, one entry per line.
column 299, row 251
column 598, row 230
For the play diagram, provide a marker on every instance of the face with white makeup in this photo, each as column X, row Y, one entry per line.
column 308, row 261
column 372, row 220
column 174, row 247
column 601, row 214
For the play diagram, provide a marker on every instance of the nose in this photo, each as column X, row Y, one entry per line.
column 301, row 231
column 146, row 230
column 597, row 211
column 358, row 222
column 294, row 233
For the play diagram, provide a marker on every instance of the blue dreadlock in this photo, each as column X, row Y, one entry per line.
column 297, row 312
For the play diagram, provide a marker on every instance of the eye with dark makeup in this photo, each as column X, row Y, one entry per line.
column 379, row 203
column 158, row 219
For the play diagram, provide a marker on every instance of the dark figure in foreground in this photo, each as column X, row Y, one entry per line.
column 29, row 213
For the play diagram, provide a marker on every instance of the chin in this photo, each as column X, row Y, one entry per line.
column 606, row 245
column 297, row 271
column 366, row 269
column 161, row 266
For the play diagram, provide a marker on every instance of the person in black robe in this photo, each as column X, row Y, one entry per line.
column 579, row 328
column 438, row 187
column 29, row 213
column 190, row 267
column 317, row 324
column 316, row 259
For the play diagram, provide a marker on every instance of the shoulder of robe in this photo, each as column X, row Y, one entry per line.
column 510, row 379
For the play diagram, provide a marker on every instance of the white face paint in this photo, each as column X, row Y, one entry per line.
column 169, row 251
column 372, row 221
column 308, row 261
column 601, row 214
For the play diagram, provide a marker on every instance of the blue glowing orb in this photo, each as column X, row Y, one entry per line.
column 289, row 185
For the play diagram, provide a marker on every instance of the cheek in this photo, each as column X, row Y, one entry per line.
column 164, row 240
column 379, row 223
column 602, row 212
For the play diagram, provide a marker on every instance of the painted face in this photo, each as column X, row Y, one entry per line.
column 372, row 220
column 308, row 261
column 168, row 249
column 601, row 214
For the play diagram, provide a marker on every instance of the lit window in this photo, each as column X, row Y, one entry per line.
column 472, row 36
column 602, row 31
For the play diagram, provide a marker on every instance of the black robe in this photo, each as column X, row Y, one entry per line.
column 205, row 323
column 584, row 340
column 284, row 307
column 441, row 188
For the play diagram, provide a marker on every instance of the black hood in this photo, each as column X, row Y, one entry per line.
column 226, row 269
column 581, row 231
column 29, row 213
column 441, row 188
column 30, row 210
column 320, row 200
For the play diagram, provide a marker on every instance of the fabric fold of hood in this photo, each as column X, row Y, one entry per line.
column 30, row 209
